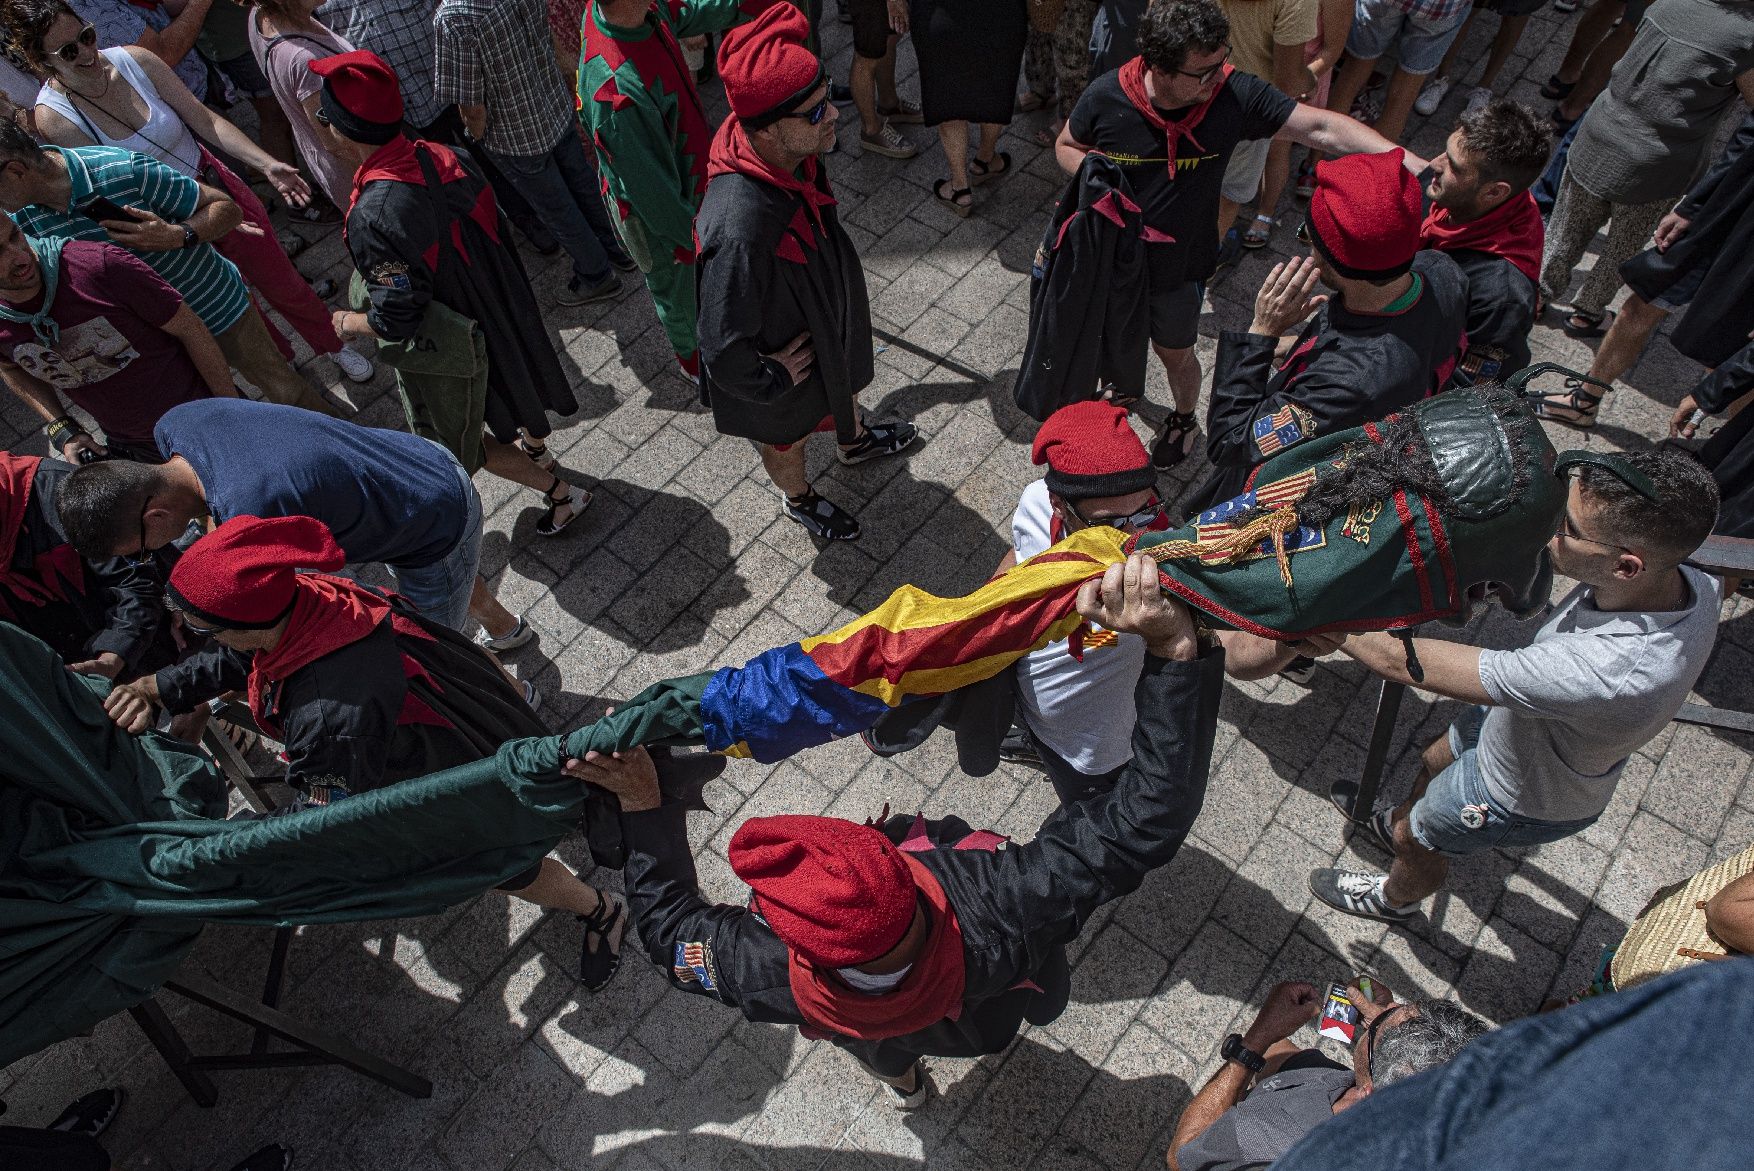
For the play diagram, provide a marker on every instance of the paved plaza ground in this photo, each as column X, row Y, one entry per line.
column 682, row 564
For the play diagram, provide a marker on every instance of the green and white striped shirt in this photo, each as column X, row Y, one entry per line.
column 208, row 281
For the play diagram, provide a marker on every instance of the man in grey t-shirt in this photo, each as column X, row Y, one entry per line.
column 1538, row 758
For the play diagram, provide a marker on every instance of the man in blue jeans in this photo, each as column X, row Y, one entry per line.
column 496, row 61
column 1539, row 755
column 388, row 496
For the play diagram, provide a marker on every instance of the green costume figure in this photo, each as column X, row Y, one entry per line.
column 637, row 98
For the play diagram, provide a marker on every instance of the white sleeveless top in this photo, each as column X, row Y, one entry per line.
column 165, row 137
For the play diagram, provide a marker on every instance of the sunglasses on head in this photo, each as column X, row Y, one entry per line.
column 814, row 115
column 70, row 51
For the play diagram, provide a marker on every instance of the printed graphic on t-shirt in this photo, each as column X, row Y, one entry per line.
column 87, row 353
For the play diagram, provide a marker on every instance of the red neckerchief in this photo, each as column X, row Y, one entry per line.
column 397, row 162
column 55, row 570
column 733, row 152
column 1512, row 230
column 931, row 991
column 329, row 613
column 1132, row 78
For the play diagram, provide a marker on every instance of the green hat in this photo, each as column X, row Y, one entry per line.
column 1385, row 526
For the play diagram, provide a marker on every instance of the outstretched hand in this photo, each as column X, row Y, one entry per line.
column 1287, row 296
column 1128, row 599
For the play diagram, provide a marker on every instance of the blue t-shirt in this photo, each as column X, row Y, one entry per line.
column 386, row 495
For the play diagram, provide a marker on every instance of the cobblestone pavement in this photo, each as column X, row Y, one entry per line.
column 684, row 564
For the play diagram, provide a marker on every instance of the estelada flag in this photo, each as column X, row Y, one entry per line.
column 1249, row 563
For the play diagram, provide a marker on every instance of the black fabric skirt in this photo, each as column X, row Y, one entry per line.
column 970, row 52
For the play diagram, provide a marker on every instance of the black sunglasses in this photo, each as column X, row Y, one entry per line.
column 70, row 51
column 1144, row 518
column 814, row 115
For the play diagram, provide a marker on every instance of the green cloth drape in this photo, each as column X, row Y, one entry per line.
column 112, row 854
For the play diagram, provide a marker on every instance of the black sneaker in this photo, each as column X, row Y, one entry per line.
column 90, row 1115
column 576, row 294
column 273, row 1157
column 624, row 263
column 1230, row 251
column 1357, row 893
column 1019, row 748
column 822, row 519
column 879, row 440
column 1378, row 828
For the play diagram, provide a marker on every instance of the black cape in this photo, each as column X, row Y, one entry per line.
column 1018, row 907
column 393, row 227
column 1089, row 295
column 341, row 712
column 1730, row 453
column 1501, row 312
column 1345, row 369
column 1721, row 240
column 760, row 285
column 121, row 608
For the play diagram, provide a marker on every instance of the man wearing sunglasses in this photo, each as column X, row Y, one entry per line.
column 1072, row 715
column 784, row 325
column 1171, row 118
column 1538, row 756
column 1269, row 1093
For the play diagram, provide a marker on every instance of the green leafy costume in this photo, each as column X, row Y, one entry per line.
column 637, row 98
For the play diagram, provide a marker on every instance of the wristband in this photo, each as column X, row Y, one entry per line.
column 55, row 427
column 190, row 238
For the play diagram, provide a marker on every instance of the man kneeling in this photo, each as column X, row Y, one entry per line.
column 920, row 938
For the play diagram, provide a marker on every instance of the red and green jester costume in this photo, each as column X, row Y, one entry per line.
column 637, row 98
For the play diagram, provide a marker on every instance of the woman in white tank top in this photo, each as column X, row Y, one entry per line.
column 126, row 97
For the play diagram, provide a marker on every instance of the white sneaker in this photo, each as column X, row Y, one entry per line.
column 1432, row 96
column 511, row 640
column 357, row 367
column 531, row 695
column 1478, row 99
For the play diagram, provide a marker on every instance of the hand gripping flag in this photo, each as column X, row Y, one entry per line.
column 1380, row 527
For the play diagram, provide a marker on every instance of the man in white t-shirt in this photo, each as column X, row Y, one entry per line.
column 1538, row 758
column 1074, row 717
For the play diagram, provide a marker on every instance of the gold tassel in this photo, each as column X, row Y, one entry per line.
column 1273, row 527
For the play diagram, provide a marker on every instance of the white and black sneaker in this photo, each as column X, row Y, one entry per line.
column 1357, row 893
column 879, row 440
column 511, row 640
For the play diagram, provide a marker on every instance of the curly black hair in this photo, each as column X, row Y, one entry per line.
column 1171, row 29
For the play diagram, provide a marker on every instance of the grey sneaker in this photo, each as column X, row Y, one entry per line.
column 1357, row 893
column 511, row 640
column 357, row 367
column 887, row 141
column 531, row 695
column 576, row 294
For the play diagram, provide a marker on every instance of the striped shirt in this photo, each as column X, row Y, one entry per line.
column 208, row 281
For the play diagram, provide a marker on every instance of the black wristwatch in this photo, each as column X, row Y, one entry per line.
column 190, row 239
column 1232, row 1050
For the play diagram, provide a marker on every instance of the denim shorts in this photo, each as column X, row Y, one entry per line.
column 1436, row 820
column 440, row 591
column 1378, row 24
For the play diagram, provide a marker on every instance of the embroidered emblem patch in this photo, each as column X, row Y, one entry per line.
column 1288, row 425
column 1213, row 527
column 1358, row 520
column 694, row 965
column 391, row 274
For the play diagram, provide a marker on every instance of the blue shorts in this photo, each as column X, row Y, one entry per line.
column 1378, row 24
column 1436, row 821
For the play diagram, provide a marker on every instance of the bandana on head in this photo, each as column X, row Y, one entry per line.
column 48, row 254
